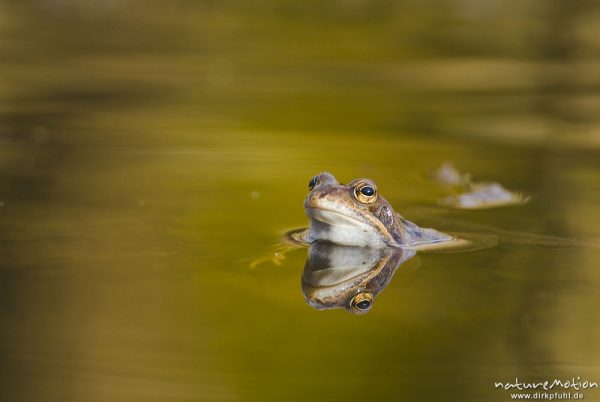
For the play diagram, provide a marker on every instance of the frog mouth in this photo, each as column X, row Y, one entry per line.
column 334, row 217
column 338, row 227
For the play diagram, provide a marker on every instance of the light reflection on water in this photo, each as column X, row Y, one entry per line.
column 146, row 157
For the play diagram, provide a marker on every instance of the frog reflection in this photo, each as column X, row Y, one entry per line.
column 349, row 277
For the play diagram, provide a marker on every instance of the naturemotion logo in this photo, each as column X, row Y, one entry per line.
column 547, row 389
column 573, row 383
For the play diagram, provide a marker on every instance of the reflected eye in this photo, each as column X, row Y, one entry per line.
column 366, row 193
column 362, row 302
column 312, row 183
column 363, row 305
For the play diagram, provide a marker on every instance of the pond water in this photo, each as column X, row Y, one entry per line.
column 150, row 153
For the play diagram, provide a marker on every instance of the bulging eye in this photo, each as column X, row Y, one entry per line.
column 363, row 305
column 362, row 302
column 365, row 193
column 312, row 183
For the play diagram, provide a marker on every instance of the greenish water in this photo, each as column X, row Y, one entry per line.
column 150, row 152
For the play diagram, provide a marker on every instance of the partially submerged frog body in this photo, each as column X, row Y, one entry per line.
column 474, row 195
column 355, row 214
column 484, row 195
column 448, row 175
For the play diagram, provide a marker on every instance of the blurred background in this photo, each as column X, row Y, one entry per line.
column 149, row 151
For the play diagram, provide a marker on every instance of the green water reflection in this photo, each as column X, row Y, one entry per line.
column 149, row 151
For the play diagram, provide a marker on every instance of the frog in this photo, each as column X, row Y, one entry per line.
column 474, row 195
column 356, row 214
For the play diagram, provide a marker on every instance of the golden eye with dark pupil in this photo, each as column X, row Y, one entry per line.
column 363, row 305
column 365, row 193
column 362, row 302
column 312, row 183
column 367, row 190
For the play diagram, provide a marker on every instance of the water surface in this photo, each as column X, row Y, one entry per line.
column 149, row 153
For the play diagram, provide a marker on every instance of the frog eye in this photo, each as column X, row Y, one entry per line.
column 362, row 302
column 312, row 183
column 365, row 193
